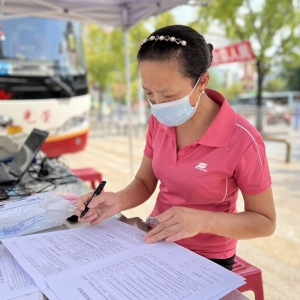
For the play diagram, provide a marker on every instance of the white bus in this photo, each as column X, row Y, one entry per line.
column 287, row 98
column 43, row 81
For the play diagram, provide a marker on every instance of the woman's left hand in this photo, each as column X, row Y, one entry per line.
column 177, row 223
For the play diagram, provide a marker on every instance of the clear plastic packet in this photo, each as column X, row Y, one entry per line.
column 33, row 214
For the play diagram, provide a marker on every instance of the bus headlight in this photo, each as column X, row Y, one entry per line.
column 74, row 122
column 5, row 121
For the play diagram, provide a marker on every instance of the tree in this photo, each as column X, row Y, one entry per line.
column 136, row 34
column 232, row 92
column 272, row 26
column 275, row 84
column 293, row 79
column 163, row 19
column 104, row 55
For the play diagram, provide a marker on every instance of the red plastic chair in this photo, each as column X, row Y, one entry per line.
column 252, row 275
column 88, row 174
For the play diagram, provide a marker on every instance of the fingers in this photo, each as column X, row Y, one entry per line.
column 163, row 231
column 159, row 232
column 101, row 207
column 167, row 215
column 103, row 197
column 89, row 216
column 174, row 224
column 83, row 200
column 153, row 237
column 92, row 216
column 98, row 220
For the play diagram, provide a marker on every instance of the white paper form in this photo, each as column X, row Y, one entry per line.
column 14, row 281
column 49, row 294
column 42, row 255
column 158, row 271
column 32, row 296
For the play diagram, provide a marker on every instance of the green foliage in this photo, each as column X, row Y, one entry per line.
column 136, row 34
column 162, row 20
column 102, row 57
column 272, row 26
column 232, row 92
column 242, row 20
column 293, row 79
column 274, row 85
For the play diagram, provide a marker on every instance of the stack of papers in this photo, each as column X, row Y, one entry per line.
column 107, row 261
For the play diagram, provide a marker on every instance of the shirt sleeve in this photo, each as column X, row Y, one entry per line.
column 148, row 151
column 252, row 172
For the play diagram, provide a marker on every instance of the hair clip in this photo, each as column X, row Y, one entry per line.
column 164, row 38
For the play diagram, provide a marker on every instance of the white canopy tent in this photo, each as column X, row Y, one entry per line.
column 116, row 13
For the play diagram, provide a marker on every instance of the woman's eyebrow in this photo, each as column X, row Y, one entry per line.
column 166, row 89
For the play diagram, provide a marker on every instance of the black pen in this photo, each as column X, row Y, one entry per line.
column 97, row 191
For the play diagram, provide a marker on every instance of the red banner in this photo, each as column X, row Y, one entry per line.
column 239, row 52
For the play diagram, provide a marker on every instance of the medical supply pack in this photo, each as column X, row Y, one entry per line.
column 34, row 213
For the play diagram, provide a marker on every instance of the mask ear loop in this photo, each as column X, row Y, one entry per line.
column 199, row 98
column 195, row 85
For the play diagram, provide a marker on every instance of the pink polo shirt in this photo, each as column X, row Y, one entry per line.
column 208, row 174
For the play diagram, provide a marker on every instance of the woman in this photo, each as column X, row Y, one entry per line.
column 199, row 149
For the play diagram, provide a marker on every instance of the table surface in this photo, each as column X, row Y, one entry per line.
column 80, row 188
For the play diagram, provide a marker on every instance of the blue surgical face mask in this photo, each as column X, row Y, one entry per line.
column 176, row 112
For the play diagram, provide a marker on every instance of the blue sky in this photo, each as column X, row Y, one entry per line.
column 184, row 13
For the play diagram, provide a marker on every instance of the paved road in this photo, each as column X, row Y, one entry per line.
column 278, row 256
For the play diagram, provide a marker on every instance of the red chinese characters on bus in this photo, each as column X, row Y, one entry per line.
column 239, row 52
column 28, row 116
column 46, row 116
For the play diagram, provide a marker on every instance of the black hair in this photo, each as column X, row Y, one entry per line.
column 194, row 58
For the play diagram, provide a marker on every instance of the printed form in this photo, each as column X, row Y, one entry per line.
column 45, row 254
column 32, row 296
column 158, row 271
column 111, row 261
column 14, row 281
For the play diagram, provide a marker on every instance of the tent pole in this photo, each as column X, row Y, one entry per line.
column 142, row 116
column 128, row 99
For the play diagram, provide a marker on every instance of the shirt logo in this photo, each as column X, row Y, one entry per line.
column 201, row 167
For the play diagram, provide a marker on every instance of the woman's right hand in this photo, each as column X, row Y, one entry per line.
column 101, row 207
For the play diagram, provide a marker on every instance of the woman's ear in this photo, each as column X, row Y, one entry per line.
column 204, row 81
